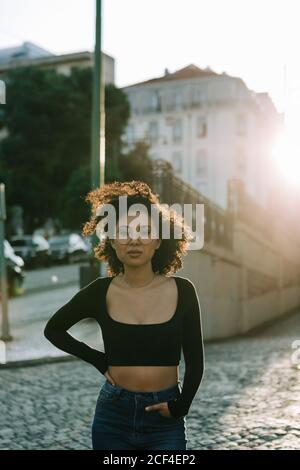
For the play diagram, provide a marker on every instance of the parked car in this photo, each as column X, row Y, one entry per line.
column 69, row 248
column 14, row 270
column 34, row 249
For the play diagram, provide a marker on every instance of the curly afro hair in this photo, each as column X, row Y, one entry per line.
column 168, row 257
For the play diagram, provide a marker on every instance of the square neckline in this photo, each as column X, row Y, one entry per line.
column 143, row 324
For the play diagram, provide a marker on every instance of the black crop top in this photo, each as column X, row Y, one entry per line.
column 137, row 344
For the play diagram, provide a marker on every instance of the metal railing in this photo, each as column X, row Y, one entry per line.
column 171, row 189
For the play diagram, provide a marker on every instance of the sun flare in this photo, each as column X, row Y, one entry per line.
column 286, row 153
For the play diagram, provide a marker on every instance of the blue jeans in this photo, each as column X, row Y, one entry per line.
column 121, row 422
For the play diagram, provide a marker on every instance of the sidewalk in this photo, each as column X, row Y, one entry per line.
column 39, row 280
column 28, row 315
column 248, row 399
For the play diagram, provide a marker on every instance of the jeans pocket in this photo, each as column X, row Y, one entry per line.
column 107, row 395
column 167, row 419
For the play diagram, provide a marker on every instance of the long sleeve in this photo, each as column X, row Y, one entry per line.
column 193, row 351
column 78, row 308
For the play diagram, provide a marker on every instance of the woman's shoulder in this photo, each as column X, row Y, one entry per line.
column 185, row 282
column 95, row 285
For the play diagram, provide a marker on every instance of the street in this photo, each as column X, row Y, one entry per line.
column 249, row 398
column 184, row 164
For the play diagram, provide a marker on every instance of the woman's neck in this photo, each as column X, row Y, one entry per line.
column 134, row 279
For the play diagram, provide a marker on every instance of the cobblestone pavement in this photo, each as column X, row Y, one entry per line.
column 249, row 398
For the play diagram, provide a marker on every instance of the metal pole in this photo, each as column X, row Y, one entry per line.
column 5, row 334
column 98, row 118
column 98, row 112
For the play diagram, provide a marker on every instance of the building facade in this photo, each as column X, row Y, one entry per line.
column 28, row 54
column 210, row 126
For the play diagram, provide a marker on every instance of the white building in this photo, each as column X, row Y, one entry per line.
column 210, row 126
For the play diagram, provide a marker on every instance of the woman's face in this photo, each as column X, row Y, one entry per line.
column 144, row 246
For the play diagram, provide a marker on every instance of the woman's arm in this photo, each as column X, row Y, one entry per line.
column 193, row 351
column 78, row 308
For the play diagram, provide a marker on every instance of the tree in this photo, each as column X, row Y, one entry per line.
column 116, row 118
column 47, row 118
column 47, row 148
column 136, row 164
column 73, row 210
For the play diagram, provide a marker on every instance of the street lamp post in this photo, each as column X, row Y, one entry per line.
column 98, row 112
column 98, row 123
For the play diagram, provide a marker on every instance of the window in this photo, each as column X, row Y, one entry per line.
column 174, row 100
column 177, row 161
column 198, row 97
column 241, row 124
column 169, row 102
column 201, row 162
column 147, row 102
column 201, row 127
column 178, row 100
column 177, row 130
column 153, row 131
column 153, row 101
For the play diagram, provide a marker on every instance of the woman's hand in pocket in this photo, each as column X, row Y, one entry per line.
column 161, row 407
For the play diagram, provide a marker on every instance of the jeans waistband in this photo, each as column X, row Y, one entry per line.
column 158, row 395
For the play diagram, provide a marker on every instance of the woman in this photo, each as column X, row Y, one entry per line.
column 146, row 316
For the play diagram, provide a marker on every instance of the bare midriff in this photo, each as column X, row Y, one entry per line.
column 144, row 378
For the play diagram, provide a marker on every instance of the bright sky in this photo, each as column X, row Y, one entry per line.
column 252, row 39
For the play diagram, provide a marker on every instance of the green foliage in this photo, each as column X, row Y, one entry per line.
column 72, row 209
column 45, row 157
column 136, row 164
column 47, row 117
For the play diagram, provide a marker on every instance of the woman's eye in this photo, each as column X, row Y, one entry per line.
column 145, row 231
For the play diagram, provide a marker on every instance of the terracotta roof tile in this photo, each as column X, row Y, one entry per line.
column 191, row 71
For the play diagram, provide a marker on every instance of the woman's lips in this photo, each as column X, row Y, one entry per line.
column 134, row 253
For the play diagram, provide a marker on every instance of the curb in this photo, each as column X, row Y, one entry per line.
column 35, row 290
column 37, row 362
